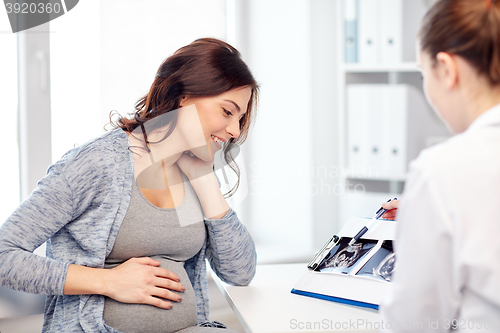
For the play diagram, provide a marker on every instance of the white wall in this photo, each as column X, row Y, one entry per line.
column 278, row 51
column 136, row 36
column 326, row 178
column 75, row 77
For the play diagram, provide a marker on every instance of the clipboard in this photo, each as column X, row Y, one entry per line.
column 357, row 275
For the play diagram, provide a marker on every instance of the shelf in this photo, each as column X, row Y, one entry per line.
column 389, row 178
column 380, row 68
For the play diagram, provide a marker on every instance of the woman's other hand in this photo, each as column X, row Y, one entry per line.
column 392, row 208
column 141, row 281
column 194, row 167
column 205, row 184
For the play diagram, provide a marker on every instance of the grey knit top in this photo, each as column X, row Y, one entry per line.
column 150, row 231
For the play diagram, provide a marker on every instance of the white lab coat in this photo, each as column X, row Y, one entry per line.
column 448, row 236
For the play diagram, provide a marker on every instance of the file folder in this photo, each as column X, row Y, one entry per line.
column 396, row 104
column 358, row 126
column 370, row 292
column 368, row 31
column 377, row 121
column 391, row 30
column 387, row 127
column 387, row 30
column 350, row 31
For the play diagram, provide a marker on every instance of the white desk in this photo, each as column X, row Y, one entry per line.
column 267, row 305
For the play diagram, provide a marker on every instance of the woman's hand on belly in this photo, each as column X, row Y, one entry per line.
column 141, row 281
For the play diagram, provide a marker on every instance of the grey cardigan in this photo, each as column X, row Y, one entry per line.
column 78, row 208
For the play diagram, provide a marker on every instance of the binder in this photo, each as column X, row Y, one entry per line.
column 394, row 120
column 377, row 121
column 399, row 21
column 391, row 30
column 387, row 30
column 358, row 127
column 359, row 283
column 350, row 31
column 368, row 31
column 395, row 108
column 370, row 292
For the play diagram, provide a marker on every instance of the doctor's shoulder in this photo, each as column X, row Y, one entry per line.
column 440, row 158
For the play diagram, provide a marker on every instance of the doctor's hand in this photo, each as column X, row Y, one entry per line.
column 141, row 281
column 392, row 208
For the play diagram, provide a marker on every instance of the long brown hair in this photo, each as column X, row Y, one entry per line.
column 468, row 28
column 206, row 67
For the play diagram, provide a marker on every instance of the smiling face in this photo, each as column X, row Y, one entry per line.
column 219, row 117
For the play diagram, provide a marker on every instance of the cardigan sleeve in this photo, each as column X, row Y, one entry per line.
column 42, row 214
column 231, row 250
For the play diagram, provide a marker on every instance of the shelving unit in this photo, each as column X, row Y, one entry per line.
column 381, row 187
column 379, row 68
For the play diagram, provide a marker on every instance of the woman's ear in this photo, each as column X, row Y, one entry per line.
column 447, row 69
column 183, row 101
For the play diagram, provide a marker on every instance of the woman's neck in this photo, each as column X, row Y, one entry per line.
column 169, row 150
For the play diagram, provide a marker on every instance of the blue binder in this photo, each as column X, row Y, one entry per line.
column 350, row 31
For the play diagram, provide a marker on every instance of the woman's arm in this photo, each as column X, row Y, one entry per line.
column 41, row 215
column 202, row 177
column 231, row 250
column 212, row 201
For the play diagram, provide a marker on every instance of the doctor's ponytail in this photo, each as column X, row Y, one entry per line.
column 468, row 28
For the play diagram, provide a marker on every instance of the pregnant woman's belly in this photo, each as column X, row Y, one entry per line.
column 143, row 318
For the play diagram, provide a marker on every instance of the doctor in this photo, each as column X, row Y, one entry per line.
column 447, row 274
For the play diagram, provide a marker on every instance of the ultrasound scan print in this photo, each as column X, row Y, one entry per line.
column 386, row 267
column 343, row 257
column 381, row 265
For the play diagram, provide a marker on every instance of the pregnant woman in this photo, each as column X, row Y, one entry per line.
column 130, row 217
